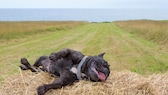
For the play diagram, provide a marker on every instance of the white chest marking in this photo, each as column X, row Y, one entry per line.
column 74, row 70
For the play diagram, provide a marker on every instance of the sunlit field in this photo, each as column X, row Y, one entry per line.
column 135, row 50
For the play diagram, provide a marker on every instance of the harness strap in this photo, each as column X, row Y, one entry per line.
column 79, row 75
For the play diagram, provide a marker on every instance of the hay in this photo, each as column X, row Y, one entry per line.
column 118, row 83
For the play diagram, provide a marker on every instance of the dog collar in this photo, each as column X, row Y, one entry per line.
column 79, row 76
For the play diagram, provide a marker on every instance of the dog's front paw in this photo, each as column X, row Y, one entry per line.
column 41, row 90
column 52, row 57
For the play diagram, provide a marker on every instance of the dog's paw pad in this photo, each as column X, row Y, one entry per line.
column 23, row 67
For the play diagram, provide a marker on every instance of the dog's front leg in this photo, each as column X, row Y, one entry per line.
column 66, row 77
column 41, row 90
column 59, row 54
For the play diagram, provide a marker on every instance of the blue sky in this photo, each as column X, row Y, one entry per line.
column 157, row 4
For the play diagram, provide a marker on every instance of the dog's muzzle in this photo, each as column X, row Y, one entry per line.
column 99, row 74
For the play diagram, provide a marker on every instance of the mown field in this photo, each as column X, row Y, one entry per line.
column 15, row 34
column 138, row 46
column 123, row 42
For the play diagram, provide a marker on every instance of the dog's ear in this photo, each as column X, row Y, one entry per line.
column 101, row 55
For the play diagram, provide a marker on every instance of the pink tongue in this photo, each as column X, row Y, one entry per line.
column 101, row 76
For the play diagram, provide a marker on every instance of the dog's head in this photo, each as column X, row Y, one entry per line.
column 98, row 69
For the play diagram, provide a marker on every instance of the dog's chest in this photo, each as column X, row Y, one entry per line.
column 75, row 71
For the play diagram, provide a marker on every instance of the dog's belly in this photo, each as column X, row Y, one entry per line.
column 46, row 64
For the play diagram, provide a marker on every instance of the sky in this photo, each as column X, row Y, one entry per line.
column 157, row 4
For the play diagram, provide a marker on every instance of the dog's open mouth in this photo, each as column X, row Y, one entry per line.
column 99, row 74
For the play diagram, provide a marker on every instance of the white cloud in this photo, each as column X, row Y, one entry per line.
column 83, row 4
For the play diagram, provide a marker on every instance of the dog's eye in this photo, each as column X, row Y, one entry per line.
column 106, row 65
column 98, row 64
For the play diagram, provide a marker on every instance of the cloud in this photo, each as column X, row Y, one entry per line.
column 83, row 4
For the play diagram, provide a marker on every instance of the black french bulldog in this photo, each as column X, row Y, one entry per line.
column 70, row 66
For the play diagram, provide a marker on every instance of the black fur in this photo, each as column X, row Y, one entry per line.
column 95, row 68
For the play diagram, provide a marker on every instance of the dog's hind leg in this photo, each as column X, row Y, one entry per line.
column 43, row 63
column 38, row 62
column 26, row 65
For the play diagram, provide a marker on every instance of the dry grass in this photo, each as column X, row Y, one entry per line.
column 118, row 83
column 13, row 30
column 157, row 31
